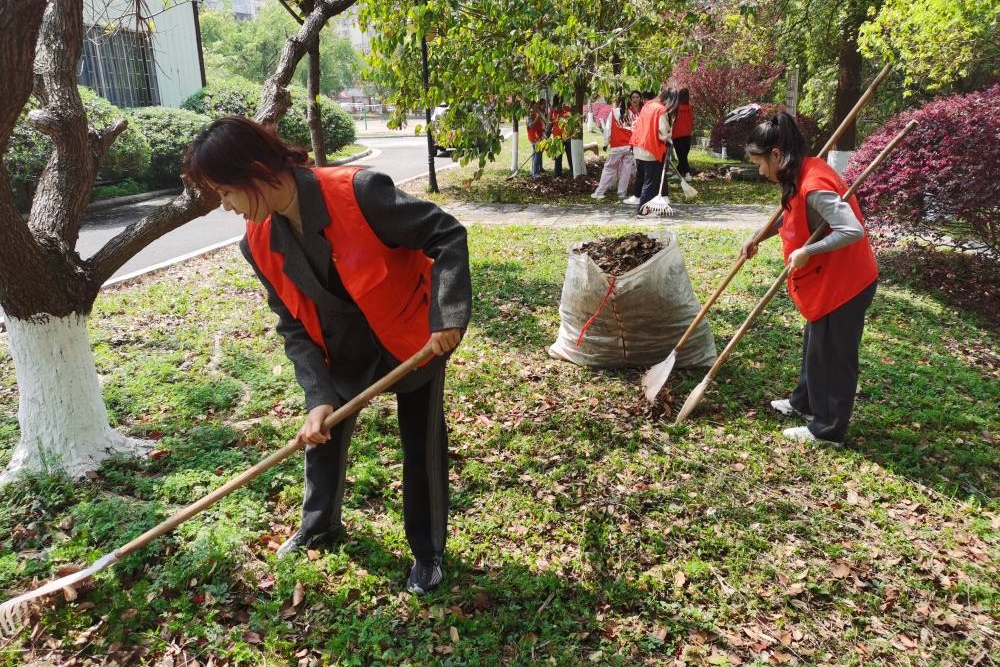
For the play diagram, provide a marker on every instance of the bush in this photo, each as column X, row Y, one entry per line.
column 29, row 151
column 338, row 126
column 239, row 97
column 737, row 134
column 943, row 181
column 169, row 131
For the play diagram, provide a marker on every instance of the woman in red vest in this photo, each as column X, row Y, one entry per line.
column 832, row 281
column 620, row 164
column 681, row 131
column 558, row 112
column 360, row 275
column 536, row 132
column 650, row 136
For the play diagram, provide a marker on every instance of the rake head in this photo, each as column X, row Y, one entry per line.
column 658, row 205
column 692, row 401
column 688, row 189
column 14, row 612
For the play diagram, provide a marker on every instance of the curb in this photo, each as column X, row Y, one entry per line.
column 351, row 158
column 104, row 204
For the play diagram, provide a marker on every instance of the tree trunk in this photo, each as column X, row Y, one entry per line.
column 46, row 288
column 315, row 117
column 61, row 412
column 848, row 73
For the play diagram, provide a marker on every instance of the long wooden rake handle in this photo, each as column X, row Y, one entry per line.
column 12, row 611
column 293, row 445
column 696, row 395
column 769, row 225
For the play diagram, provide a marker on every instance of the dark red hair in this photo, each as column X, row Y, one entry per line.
column 239, row 152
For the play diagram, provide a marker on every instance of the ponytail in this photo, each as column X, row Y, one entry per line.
column 782, row 133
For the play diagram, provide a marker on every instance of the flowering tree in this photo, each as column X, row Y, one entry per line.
column 945, row 180
column 717, row 88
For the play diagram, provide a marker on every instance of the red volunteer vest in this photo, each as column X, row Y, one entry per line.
column 684, row 124
column 620, row 136
column 830, row 279
column 555, row 115
column 646, row 131
column 536, row 130
column 391, row 286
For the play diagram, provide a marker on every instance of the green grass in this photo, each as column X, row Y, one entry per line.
column 346, row 151
column 458, row 183
column 584, row 529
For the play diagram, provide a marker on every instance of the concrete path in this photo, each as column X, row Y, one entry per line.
column 607, row 213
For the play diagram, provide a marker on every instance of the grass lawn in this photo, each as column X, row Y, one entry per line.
column 458, row 184
column 346, row 151
column 584, row 530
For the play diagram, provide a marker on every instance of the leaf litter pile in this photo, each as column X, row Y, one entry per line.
column 619, row 255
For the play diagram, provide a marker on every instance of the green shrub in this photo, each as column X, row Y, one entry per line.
column 233, row 97
column 129, row 154
column 169, row 131
column 338, row 126
column 29, row 150
column 239, row 97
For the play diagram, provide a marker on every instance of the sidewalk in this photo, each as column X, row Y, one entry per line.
column 732, row 216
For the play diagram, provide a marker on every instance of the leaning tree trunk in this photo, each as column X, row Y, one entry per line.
column 47, row 290
column 315, row 115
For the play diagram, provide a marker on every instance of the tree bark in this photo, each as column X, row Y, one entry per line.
column 64, row 424
column 315, row 115
column 848, row 73
column 46, row 289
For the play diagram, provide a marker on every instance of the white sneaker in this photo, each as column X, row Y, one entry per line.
column 784, row 406
column 803, row 434
column 631, row 201
column 596, row 195
column 687, row 177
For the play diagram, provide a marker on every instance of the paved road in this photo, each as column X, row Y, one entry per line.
column 400, row 157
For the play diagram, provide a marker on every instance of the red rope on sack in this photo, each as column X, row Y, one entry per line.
column 611, row 289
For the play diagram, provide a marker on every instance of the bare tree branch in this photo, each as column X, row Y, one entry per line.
column 187, row 206
column 67, row 180
column 275, row 98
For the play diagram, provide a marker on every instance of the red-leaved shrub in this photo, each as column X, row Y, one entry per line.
column 719, row 87
column 942, row 182
column 737, row 133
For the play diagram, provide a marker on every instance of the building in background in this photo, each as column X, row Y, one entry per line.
column 242, row 9
column 131, row 65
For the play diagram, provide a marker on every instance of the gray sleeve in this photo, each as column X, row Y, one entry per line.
column 306, row 357
column 402, row 221
column 845, row 228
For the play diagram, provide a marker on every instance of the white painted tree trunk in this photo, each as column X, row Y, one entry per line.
column 64, row 423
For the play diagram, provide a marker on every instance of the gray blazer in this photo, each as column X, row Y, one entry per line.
column 398, row 220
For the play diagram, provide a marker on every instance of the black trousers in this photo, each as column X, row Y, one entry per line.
column 682, row 145
column 568, row 152
column 422, row 430
column 828, row 381
column 648, row 173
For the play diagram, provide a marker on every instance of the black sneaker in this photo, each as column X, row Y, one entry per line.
column 425, row 576
column 300, row 541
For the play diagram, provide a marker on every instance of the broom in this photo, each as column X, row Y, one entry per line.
column 14, row 612
column 658, row 205
column 699, row 391
column 654, row 379
column 688, row 189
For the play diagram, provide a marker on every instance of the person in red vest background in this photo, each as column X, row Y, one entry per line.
column 832, row 280
column 557, row 113
column 681, row 131
column 650, row 136
column 620, row 164
column 536, row 132
column 361, row 276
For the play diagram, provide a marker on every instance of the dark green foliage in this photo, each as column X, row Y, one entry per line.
column 239, row 97
column 29, row 150
column 169, row 131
